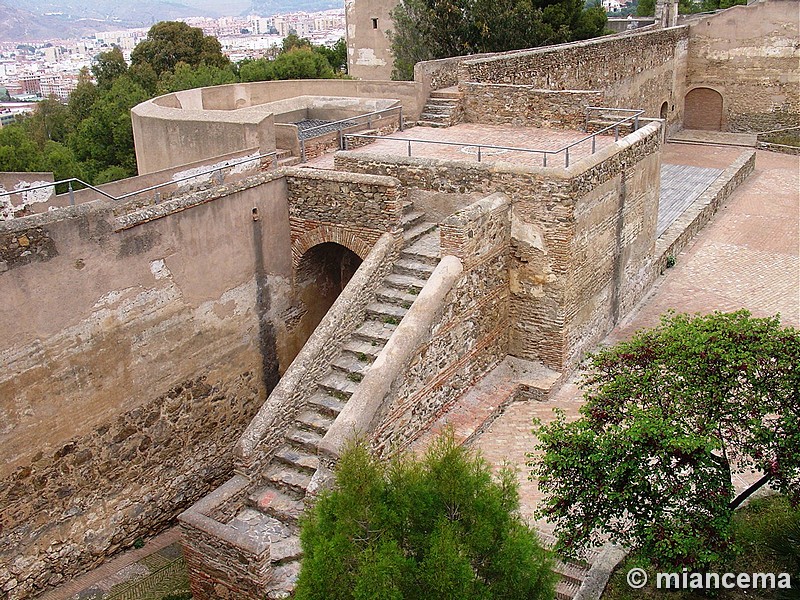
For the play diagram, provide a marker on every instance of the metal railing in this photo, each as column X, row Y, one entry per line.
column 633, row 118
column 218, row 174
column 342, row 124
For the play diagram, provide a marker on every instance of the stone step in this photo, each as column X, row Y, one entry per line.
column 289, row 161
column 311, row 420
column 298, row 458
column 433, row 124
column 439, row 109
column 337, row 383
column 425, row 249
column 289, row 480
column 435, row 117
column 450, row 94
column 286, row 550
column 389, row 295
column 273, row 502
column 407, row 206
column 361, row 348
column 282, row 153
column 283, row 580
column 430, row 260
column 450, row 102
column 307, row 440
column 416, row 232
column 386, row 313
column 565, row 590
column 324, row 402
column 374, row 331
column 570, row 572
column 410, row 219
column 348, row 363
column 404, row 282
column 405, row 266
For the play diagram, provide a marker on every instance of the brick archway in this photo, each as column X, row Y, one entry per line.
column 703, row 110
column 324, row 234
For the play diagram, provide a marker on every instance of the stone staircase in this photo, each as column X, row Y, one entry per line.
column 277, row 500
column 571, row 573
column 284, row 158
column 442, row 109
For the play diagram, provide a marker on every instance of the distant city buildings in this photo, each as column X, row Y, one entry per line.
column 33, row 71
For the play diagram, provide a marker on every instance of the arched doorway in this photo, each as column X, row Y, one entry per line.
column 664, row 111
column 321, row 274
column 703, row 110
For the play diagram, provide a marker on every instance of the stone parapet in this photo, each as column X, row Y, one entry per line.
column 527, row 105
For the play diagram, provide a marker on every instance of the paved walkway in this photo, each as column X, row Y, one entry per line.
column 747, row 257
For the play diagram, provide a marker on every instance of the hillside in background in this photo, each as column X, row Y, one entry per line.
column 30, row 20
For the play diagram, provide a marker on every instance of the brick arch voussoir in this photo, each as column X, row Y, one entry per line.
column 325, row 234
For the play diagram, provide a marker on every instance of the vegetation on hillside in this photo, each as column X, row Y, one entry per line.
column 91, row 138
column 431, row 29
column 440, row 527
column 671, row 416
column 647, row 8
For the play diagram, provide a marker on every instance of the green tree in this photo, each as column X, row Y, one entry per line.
column 50, row 121
column 336, row 56
column 301, row 63
column 18, row 151
column 171, row 42
column 646, row 8
column 430, row 29
column 435, row 528
column 81, row 99
column 186, row 77
column 108, row 67
column 670, row 417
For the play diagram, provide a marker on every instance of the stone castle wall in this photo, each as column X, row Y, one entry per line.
column 554, row 282
column 641, row 70
column 749, row 54
column 137, row 346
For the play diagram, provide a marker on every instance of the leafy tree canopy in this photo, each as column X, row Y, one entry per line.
column 171, row 42
column 431, row 29
column 438, row 528
column 108, row 66
column 670, row 417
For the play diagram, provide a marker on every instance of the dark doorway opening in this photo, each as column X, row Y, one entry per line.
column 321, row 275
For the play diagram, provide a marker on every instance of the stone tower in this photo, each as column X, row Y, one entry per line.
column 368, row 47
column 666, row 13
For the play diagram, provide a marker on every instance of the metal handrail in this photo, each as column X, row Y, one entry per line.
column 71, row 191
column 634, row 116
column 350, row 119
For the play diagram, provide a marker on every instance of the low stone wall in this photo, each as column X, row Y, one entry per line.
column 353, row 210
column 525, row 105
column 15, row 202
column 469, row 337
column 682, row 231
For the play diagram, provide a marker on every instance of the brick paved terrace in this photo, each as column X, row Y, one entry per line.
column 493, row 135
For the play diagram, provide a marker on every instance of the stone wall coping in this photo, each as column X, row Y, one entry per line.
column 523, row 86
column 341, row 176
column 594, row 584
column 682, row 29
column 325, row 333
column 364, row 407
column 636, row 137
column 190, row 200
column 195, row 517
